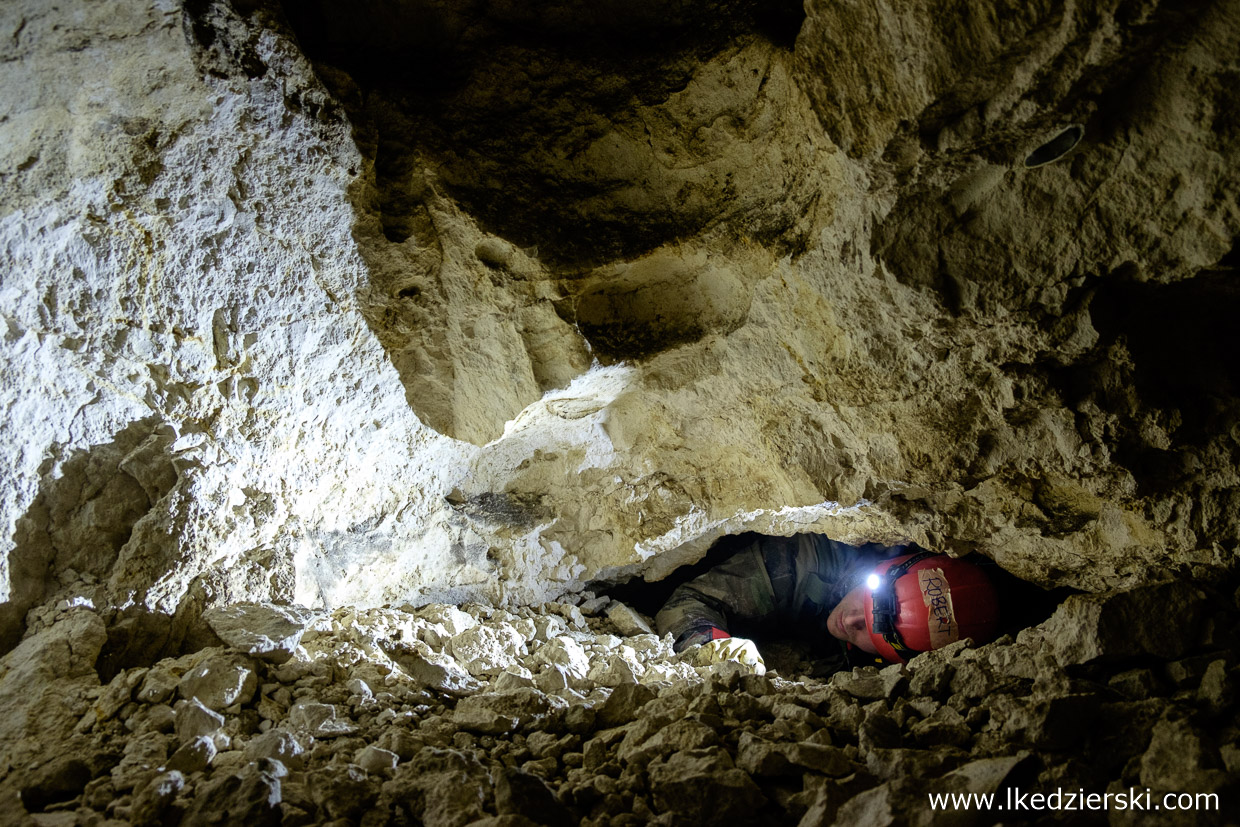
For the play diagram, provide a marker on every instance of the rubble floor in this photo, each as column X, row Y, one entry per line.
column 572, row 714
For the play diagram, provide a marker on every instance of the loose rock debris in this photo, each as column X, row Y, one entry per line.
column 442, row 715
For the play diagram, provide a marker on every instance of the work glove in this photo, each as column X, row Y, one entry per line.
column 738, row 649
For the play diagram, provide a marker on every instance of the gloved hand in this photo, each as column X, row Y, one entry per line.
column 739, row 649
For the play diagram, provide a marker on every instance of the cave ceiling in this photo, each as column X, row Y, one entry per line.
column 505, row 299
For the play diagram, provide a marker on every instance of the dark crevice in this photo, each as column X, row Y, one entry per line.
column 648, row 597
column 503, row 105
column 1181, row 337
column 84, row 515
column 1181, row 367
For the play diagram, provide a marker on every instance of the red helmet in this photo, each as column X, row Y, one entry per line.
column 927, row 600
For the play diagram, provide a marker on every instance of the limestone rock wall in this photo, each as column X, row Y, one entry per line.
column 446, row 301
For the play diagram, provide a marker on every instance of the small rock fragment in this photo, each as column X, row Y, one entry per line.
column 194, row 755
column 219, row 682
column 158, row 685
column 152, row 802
column 627, row 621
column 193, row 719
column 519, row 793
column 375, row 759
column 567, row 654
column 319, row 720
column 250, row 796
column 265, row 630
column 703, row 786
column 277, row 744
column 623, row 704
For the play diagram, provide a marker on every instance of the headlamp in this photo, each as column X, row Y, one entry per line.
column 883, row 595
column 885, row 606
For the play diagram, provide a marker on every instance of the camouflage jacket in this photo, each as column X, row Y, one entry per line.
column 791, row 581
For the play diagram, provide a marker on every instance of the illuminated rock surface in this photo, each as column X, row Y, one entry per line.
column 438, row 302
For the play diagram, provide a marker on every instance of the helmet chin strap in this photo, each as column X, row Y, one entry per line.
column 885, row 610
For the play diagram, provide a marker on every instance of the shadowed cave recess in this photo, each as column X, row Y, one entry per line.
column 375, row 372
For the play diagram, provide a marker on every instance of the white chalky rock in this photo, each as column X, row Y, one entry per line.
column 593, row 605
column 219, row 682
column 549, row 626
column 278, row 744
column 432, row 634
column 318, row 719
column 359, row 687
column 623, row 665
column 627, row 621
column 615, row 671
column 652, row 644
column 450, row 618
column 657, row 671
column 434, row 670
column 524, row 626
column 193, row 720
column 376, row 759
column 264, row 630
column 553, row 679
column 486, row 649
column 573, row 615
column 513, row 677
column 566, row 653
column 596, row 643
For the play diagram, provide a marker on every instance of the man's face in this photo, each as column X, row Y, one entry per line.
column 847, row 621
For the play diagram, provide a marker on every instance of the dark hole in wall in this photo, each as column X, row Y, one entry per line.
column 411, row 44
column 648, row 597
column 1182, row 339
column 1056, row 147
column 780, row 21
column 1182, row 369
column 430, row 47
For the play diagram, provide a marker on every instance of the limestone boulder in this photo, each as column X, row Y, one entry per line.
column 219, row 681
column 703, row 785
column 266, row 631
column 1160, row 619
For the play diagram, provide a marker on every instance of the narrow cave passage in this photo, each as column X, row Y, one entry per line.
column 799, row 641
